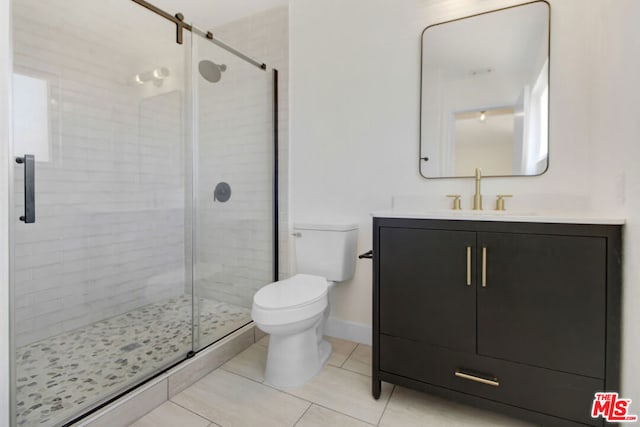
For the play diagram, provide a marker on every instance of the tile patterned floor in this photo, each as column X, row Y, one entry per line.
column 235, row 395
column 58, row 375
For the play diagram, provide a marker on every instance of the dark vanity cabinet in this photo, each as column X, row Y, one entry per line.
column 522, row 318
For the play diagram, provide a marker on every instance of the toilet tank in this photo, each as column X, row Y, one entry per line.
column 327, row 250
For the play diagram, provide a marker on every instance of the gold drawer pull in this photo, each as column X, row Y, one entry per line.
column 468, row 265
column 494, row 382
column 484, row 266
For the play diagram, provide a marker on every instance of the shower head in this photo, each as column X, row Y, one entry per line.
column 211, row 71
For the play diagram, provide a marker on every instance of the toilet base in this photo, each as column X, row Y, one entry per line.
column 292, row 360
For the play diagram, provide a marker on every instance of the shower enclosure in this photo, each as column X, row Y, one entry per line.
column 144, row 199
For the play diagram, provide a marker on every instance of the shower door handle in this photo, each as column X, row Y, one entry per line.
column 29, row 162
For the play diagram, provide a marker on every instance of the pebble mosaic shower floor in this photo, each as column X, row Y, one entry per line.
column 58, row 376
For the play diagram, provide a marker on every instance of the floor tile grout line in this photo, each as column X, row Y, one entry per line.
column 311, row 403
column 301, row 416
column 193, row 412
column 316, row 403
column 267, row 385
column 356, row 372
column 386, row 405
column 298, row 397
column 241, row 375
column 342, row 413
column 270, row 386
column 353, row 372
column 349, row 356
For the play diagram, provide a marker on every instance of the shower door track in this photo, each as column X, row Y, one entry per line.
column 178, row 19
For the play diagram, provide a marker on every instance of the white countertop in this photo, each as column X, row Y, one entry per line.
column 505, row 216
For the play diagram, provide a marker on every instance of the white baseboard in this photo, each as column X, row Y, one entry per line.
column 346, row 330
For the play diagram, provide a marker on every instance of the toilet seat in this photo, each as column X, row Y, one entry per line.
column 301, row 289
column 297, row 298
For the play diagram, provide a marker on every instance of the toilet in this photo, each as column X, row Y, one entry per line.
column 294, row 311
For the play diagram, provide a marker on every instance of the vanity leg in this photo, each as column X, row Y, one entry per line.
column 376, row 387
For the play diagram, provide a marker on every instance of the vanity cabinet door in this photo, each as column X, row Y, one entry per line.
column 544, row 303
column 424, row 295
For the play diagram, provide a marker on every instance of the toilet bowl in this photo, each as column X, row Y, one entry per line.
column 294, row 311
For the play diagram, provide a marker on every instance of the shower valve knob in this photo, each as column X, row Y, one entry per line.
column 222, row 192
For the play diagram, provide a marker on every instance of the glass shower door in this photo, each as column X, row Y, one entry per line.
column 233, row 191
column 101, row 276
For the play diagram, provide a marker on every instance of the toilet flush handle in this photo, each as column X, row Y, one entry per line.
column 368, row 254
column 297, row 234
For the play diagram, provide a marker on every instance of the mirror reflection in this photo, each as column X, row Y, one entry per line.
column 485, row 94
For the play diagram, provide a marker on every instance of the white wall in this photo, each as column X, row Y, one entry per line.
column 616, row 129
column 354, row 117
column 5, row 120
column 354, row 124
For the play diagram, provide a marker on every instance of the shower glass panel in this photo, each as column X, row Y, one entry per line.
column 101, row 281
column 234, row 142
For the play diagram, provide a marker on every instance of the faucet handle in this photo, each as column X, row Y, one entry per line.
column 456, row 201
column 500, row 201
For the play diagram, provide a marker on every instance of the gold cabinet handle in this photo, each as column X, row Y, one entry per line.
column 468, row 265
column 493, row 382
column 484, row 266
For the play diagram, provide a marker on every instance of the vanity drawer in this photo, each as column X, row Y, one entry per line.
column 550, row 392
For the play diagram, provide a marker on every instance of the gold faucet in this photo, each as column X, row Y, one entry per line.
column 477, row 198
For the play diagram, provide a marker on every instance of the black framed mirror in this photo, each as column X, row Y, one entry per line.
column 485, row 94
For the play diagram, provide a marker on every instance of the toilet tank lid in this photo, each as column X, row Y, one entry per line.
column 327, row 227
